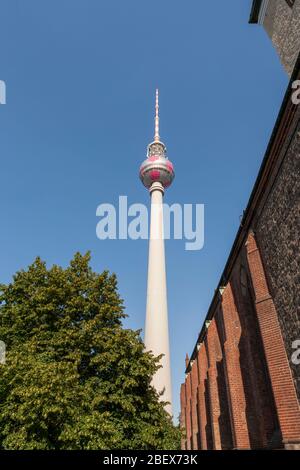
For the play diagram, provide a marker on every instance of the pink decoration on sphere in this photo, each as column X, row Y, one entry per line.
column 154, row 175
column 153, row 158
column 170, row 166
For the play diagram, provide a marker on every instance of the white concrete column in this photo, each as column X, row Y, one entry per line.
column 156, row 329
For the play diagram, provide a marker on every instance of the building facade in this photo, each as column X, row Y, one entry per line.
column 242, row 385
column 280, row 19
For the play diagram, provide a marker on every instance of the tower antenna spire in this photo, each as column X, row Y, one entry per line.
column 156, row 135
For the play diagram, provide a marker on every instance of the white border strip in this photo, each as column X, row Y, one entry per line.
column 263, row 10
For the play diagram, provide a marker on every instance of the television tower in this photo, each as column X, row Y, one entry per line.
column 157, row 173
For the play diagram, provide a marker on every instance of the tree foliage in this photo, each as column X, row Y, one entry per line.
column 74, row 378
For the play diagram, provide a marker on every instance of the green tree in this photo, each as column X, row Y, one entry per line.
column 74, row 378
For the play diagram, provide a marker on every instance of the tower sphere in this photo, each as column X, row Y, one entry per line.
column 157, row 167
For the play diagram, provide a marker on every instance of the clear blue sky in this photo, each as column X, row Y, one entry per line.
column 81, row 78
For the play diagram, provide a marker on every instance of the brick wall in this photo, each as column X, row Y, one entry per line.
column 261, row 415
column 284, row 392
column 277, row 232
column 239, row 391
column 227, row 399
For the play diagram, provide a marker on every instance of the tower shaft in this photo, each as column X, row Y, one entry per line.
column 156, row 329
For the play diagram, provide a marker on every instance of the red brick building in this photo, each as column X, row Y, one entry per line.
column 242, row 389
